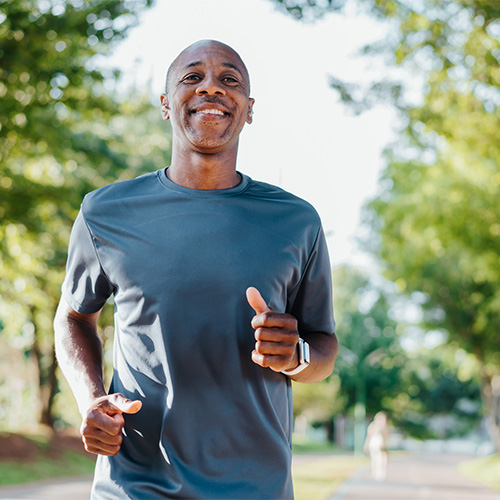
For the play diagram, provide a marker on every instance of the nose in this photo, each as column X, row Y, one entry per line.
column 210, row 85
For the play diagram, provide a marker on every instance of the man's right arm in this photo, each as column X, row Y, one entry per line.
column 79, row 353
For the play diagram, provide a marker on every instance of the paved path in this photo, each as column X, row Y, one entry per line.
column 415, row 477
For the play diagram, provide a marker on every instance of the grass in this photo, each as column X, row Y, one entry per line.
column 67, row 465
column 301, row 445
column 44, row 463
column 485, row 470
column 319, row 477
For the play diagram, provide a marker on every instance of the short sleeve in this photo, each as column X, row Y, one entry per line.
column 311, row 301
column 86, row 287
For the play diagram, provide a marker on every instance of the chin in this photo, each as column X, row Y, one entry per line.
column 210, row 142
column 206, row 142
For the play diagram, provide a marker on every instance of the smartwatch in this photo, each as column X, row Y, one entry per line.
column 304, row 358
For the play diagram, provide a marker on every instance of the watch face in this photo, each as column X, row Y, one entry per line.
column 304, row 353
column 307, row 354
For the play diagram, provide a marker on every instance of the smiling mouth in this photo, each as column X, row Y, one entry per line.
column 210, row 111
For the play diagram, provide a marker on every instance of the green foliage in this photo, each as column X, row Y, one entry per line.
column 308, row 10
column 64, row 131
column 370, row 356
column 439, row 382
column 438, row 236
column 318, row 402
column 437, row 215
column 375, row 370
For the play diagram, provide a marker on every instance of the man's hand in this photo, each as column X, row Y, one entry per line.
column 276, row 335
column 103, row 422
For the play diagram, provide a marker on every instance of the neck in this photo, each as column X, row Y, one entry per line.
column 204, row 172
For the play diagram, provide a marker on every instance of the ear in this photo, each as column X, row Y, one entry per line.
column 164, row 106
column 251, row 102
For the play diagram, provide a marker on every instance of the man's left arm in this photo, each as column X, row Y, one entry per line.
column 277, row 338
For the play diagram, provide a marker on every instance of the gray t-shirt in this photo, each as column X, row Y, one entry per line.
column 213, row 425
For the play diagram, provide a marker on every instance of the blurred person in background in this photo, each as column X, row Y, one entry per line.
column 376, row 445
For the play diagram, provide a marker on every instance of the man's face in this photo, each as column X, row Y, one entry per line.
column 207, row 98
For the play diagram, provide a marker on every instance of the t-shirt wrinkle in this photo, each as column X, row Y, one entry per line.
column 113, row 286
column 304, row 269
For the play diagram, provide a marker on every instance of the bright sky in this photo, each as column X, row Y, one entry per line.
column 302, row 138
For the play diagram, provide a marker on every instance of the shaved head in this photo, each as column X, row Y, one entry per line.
column 200, row 44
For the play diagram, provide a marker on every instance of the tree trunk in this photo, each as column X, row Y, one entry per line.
column 47, row 380
column 360, row 411
column 49, row 392
column 491, row 400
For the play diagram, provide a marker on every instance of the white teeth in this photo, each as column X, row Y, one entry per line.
column 211, row 112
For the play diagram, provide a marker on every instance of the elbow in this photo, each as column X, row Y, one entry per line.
column 333, row 351
column 325, row 348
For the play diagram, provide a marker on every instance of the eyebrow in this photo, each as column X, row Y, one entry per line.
column 224, row 64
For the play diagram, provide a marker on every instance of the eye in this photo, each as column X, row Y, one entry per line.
column 192, row 78
column 230, row 79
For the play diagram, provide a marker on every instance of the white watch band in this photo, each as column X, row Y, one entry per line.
column 304, row 358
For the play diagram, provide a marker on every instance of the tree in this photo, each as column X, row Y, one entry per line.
column 437, row 236
column 437, row 213
column 367, row 374
column 440, row 205
column 309, row 10
column 441, row 397
column 64, row 131
column 375, row 372
column 370, row 356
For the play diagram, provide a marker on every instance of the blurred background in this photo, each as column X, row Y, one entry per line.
column 384, row 114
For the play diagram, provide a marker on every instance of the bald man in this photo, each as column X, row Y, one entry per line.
column 222, row 292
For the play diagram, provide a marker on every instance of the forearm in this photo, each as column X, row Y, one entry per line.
column 323, row 350
column 80, row 354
